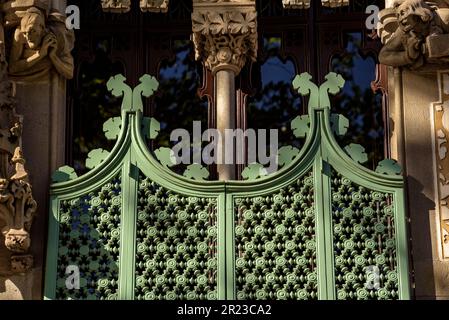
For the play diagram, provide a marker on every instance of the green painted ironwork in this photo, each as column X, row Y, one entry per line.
column 319, row 228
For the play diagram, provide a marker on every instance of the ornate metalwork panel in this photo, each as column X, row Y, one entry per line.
column 321, row 227
column 176, row 245
column 89, row 238
column 276, row 244
column 364, row 241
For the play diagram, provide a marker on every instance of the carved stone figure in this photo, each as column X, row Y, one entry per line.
column 421, row 37
column 40, row 45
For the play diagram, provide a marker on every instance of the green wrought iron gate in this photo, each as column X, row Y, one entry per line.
column 322, row 227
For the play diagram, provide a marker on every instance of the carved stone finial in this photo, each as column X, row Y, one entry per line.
column 225, row 33
column 19, row 163
column 116, row 6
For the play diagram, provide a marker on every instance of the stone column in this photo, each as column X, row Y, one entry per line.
column 418, row 91
column 226, row 113
column 225, row 38
column 39, row 67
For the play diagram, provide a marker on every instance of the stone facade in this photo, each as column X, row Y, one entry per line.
column 415, row 36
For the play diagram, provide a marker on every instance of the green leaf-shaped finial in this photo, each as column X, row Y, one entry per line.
column 64, row 174
column 148, row 85
column 117, row 86
column 166, row 157
column 286, row 155
column 357, row 153
column 254, row 171
column 111, row 128
column 390, row 167
column 304, row 85
column 95, row 158
column 300, row 126
column 334, row 83
column 196, row 172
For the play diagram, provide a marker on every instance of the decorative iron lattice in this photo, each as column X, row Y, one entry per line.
column 364, row 242
column 89, row 239
column 176, row 245
column 304, row 232
column 276, row 244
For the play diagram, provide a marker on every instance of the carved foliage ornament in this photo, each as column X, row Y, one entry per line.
column 298, row 4
column 440, row 137
column 123, row 6
column 225, row 39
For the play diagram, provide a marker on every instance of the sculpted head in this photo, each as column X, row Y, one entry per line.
column 32, row 27
column 413, row 15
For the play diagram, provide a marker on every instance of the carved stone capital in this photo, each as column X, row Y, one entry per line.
column 225, row 33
